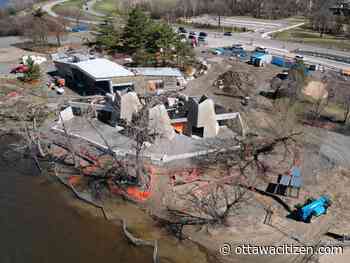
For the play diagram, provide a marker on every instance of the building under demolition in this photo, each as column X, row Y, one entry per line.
column 184, row 127
column 99, row 76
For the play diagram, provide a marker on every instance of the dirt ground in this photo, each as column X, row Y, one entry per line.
column 316, row 90
column 204, row 85
column 246, row 225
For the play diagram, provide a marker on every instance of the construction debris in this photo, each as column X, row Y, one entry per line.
column 235, row 83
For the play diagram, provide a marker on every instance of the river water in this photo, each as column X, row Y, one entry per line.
column 3, row 3
column 38, row 226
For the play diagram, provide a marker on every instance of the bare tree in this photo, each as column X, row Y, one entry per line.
column 57, row 29
column 340, row 95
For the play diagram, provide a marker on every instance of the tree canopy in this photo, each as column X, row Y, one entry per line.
column 150, row 42
column 136, row 31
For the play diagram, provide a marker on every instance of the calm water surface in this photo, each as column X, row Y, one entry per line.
column 38, row 226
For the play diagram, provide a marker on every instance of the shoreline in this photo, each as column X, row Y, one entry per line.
column 147, row 231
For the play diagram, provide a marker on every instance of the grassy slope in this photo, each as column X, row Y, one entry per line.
column 74, row 5
column 106, row 6
column 307, row 36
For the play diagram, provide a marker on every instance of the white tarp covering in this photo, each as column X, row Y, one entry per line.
column 36, row 59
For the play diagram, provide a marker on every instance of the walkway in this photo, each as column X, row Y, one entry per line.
column 90, row 9
column 48, row 9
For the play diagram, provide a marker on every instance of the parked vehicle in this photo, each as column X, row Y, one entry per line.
column 192, row 33
column 20, row 69
column 261, row 50
column 201, row 39
column 299, row 58
column 182, row 30
column 228, row 34
column 203, row 34
column 218, row 51
column 237, row 46
column 312, row 67
column 283, row 75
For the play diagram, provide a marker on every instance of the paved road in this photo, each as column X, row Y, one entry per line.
column 260, row 36
column 262, row 29
column 276, row 47
column 47, row 7
column 90, row 9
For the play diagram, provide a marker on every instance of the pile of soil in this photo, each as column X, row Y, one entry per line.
column 235, row 83
column 316, row 90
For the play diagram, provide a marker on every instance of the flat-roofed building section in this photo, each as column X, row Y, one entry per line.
column 91, row 76
column 153, row 79
column 101, row 69
column 157, row 72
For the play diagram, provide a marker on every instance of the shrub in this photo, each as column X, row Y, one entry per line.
column 33, row 72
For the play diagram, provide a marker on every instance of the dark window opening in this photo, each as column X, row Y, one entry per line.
column 104, row 116
column 198, row 131
column 123, row 88
column 102, row 87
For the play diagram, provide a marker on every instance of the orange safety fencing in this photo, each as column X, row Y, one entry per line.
column 134, row 192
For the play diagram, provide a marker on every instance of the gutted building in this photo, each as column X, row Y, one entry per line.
column 156, row 79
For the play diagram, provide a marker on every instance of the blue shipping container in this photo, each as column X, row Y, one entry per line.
column 278, row 61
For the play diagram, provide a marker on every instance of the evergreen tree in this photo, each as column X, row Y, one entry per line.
column 136, row 31
column 161, row 37
column 109, row 37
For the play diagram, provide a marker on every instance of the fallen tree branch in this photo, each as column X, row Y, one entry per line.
column 78, row 195
column 140, row 242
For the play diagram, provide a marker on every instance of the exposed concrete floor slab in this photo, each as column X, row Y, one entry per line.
column 105, row 136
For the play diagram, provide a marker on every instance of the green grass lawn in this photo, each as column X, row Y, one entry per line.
column 107, row 7
column 72, row 3
column 296, row 19
column 307, row 36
